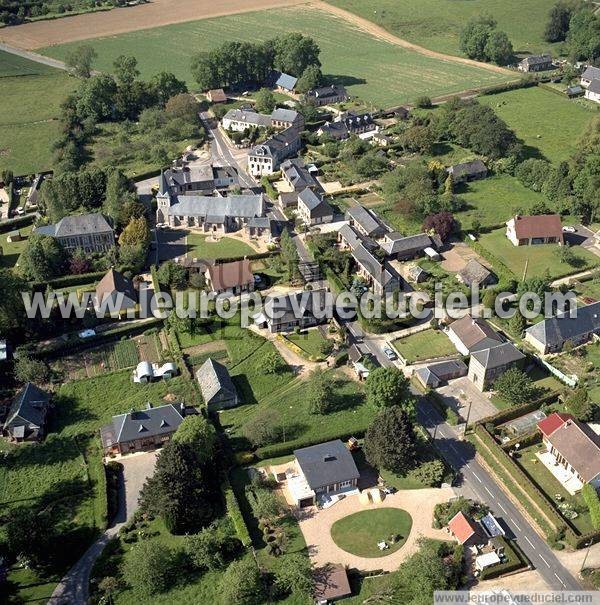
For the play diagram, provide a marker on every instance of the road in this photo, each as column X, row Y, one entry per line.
column 33, row 57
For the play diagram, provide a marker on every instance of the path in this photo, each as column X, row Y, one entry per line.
column 382, row 34
column 73, row 589
column 15, row 50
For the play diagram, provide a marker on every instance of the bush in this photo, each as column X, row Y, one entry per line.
column 590, row 496
column 423, row 102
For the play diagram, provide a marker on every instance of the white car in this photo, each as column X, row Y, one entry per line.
column 87, row 333
column 389, row 353
column 569, row 230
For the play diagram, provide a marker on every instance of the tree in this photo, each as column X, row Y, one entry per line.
column 515, row 386
column 265, row 101
column 578, row 403
column 172, row 275
column 12, row 311
column 42, row 259
column 583, row 39
column 293, row 575
column 499, row 48
column 95, row 98
column 319, row 392
column 566, row 255
column 517, row 324
column 386, row 387
column 294, row 52
column 211, row 548
column 137, row 233
column 474, row 36
column 263, row 428
column 108, row 586
column 30, row 369
column 80, row 61
column 391, row 442
column 183, row 106
column 118, row 188
column 132, row 258
column 311, row 78
column 424, row 102
column 31, row 534
column 197, row 432
column 125, row 70
column 441, row 223
column 270, row 363
column 165, row 86
column 557, row 26
column 79, row 262
column 241, row 584
column 150, row 569
column 430, row 473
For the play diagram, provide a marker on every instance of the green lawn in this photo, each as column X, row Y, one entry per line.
column 360, row 532
column 310, row 342
column 12, row 250
column 373, row 69
column 29, row 108
column 537, row 259
column 542, row 379
column 201, row 246
column 550, row 125
column 424, row 345
column 436, row 24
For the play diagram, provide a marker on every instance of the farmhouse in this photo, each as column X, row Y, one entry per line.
column 326, row 95
column 264, row 159
column 573, row 446
column 532, row 230
column 396, row 245
column 26, row 420
column 239, row 120
column 218, row 390
column 322, row 470
column 302, row 309
column 115, row 292
column 366, row 222
column 470, row 334
column 90, row 232
column 592, row 92
column 351, row 124
column 535, row 63
column 231, row 278
column 432, row 376
column 475, row 274
column 590, row 74
column 550, row 335
column 139, row 431
column 210, row 214
column 487, row 365
column 468, row 171
column 313, row 209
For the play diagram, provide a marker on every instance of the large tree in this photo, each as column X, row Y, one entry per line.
column 294, row 52
column 294, row 575
column 441, row 223
column 136, row 233
column 265, row 101
column 165, row 86
column 319, row 392
column 197, row 432
column 43, row 259
column 80, row 60
column 391, row 442
column 150, row 569
column 387, row 387
column 515, row 386
column 12, row 310
column 241, row 584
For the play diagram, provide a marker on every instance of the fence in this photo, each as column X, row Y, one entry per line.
column 568, row 380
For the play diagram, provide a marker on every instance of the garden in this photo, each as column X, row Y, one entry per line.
column 203, row 246
column 584, row 362
column 10, row 251
column 311, row 343
column 424, row 345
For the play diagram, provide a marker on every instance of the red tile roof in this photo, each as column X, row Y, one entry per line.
column 553, row 422
column 541, row 225
column 230, row 275
column 462, row 527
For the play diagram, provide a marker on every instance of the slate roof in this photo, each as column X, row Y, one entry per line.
column 366, row 220
column 280, row 308
column 187, row 175
column 248, row 116
column 468, row 169
column 113, row 281
column 498, row 356
column 474, row 273
column 151, row 422
column 475, row 333
column 240, row 206
column 442, row 371
column 591, row 73
column 277, row 145
column 328, row 91
column 326, row 463
column 594, row 86
column 285, row 81
column 284, row 115
column 537, row 59
column 29, row 404
column 81, row 224
column 555, row 331
column 229, row 275
column 396, row 243
column 336, row 130
column 213, row 377
column 297, row 174
column 315, row 204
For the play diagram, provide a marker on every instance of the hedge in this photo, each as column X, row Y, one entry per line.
column 513, row 561
column 526, row 82
column 510, row 414
column 590, row 496
column 235, row 514
column 70, row 280
column 14, row 223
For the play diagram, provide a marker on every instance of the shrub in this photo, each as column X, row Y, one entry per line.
column 590, row 496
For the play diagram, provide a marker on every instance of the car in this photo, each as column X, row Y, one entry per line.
column 389, row 489
column 389, row 353
column 87, row 333
column 569, row 230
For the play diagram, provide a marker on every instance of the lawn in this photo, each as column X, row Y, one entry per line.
column 310, row 342
column 12, row 250
column 424, row 345
column 378, row 71
column 29, row 108
column 542, row 379
column 200, row 246
column 360, row 532
column 534, row 261
column 550, row 125
column 436, row 24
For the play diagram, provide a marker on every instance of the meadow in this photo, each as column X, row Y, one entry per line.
column 29, row 111
column 436, row 24
column 379, row 72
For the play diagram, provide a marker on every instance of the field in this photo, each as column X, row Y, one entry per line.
column 310, row 342
column 199, row 246
column 550, row 124
column 538, row 259
column 424, row 345
column 378, row 71
column 12, row 250
column 436, row 24
column 29, row 108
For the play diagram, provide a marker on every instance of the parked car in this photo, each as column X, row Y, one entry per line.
column 389, row 489
column 569, row 230
column 87, row 333
column 389, row 353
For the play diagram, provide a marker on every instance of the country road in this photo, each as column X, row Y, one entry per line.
column 27, row 54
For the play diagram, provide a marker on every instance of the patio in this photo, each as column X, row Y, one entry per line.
column 562, row 475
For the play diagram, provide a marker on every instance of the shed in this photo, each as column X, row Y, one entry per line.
column 14, row 236
column 216, row 95
column 331, row 584
column 168, row 370
column 487, row 560
column 143, row 372
column 431, row 253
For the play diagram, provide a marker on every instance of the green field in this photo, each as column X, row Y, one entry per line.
column 29, row 109
column 436, row 24
column 424, row 345
column 200, row 246
column 539, row 259
column 310, row 342
column 359, row 533
column 549, row 124
column 375, row 70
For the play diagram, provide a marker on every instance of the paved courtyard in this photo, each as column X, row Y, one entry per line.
column 460, row 393
column 316, row 527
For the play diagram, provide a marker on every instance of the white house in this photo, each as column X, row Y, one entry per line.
column 592, row 92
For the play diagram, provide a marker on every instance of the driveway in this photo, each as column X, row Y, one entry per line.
column 460, row 393
column 73, row 589
column 316, row 527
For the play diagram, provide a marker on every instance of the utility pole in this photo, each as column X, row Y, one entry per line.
column 587, row 552
column 468, row 415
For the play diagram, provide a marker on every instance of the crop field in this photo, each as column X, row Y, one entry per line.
column 29, row 111
column 378, row 71
column 436, row 24
column 550, row 124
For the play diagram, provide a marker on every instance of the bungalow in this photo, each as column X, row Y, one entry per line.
column 327, row 95
column 475, row 274
column 590, row 74
column 432, row 376
column 139, row 431
column 216, row 95
column 216, row 386
column 465, row 530
column 592, row 92
column 399, row 247
column 26, row 419
column 231, row 278
column 487, row 365
column 313, row 209
column 265, row 158
column 366, row 222
column 115, row 292
column 91, row 232
column 468, row 171
column 302, row 309
column 470, row 334
column 573, row 446
column 536, row 63
column 533, row 230
column 322, row 470
column 577, row 327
